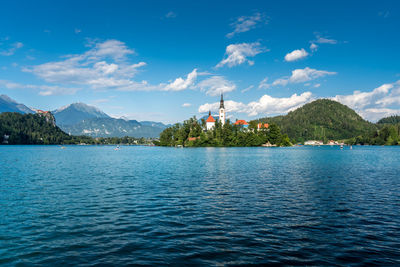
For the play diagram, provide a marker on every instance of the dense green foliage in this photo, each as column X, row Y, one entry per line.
column 227, row 135
column 387, row 135
column 322, row 119
column 390, row 120
column 34, row 129
column 29, row 129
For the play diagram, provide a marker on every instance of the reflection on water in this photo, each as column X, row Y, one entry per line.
column 208, row 206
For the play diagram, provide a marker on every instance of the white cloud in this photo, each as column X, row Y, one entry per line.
column 186, row 105
column 11, row 51
column 46, row 90
column 104, row 66
column 77, row 31
column 265, row 106
column 302, row 75
column 281, row 81
column 216, row 85
column 313, row 47
column 247, row 89
column 10, row 85
column 375, row 114
column 317, row 85
column 182, row 84
column 264, row 84
column 170, row 15
column 238, row 53
column 296, row 55
column 230, row 106
column 268, row 105
column 307, row 74
column 359, row 100
column 322, row 40
column 246, row 23
column 373, row 105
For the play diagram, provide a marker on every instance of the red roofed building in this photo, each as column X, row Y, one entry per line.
column 242, row 123
column 262, row 126
column 46, row 114
column 210, row 122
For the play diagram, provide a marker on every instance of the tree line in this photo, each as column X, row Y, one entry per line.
column 387, row 134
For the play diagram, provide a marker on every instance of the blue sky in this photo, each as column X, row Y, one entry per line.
column 169, row 60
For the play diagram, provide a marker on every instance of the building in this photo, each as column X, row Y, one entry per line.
column 210, row 122
column 262, row 126
column 47, row 115
column 242, row 123
column 5, row 139
column 313, row 143
column 222, row 114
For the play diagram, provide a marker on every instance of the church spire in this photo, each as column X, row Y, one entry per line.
column 221, row 105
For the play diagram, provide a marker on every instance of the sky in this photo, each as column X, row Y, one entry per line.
column 170, row 60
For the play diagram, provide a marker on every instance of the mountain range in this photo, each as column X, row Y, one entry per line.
column 10, row 105
column 83, row 119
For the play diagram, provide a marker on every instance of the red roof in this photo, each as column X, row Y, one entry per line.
column 260, row 125
column 210, row 119
column 241, row 122
column 41, row 111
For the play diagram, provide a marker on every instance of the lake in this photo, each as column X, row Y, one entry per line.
column 93, row 205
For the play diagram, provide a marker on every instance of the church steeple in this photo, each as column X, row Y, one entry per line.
column 222, row 111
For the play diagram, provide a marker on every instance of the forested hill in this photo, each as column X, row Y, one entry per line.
column 29, row 129
column 322, row 119
column 390, row 120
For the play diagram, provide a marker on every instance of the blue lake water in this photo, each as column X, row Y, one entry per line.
column 93, row 205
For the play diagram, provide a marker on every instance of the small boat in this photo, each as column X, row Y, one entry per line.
column 341, row 146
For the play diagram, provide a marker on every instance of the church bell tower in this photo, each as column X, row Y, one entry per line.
column 222, row 111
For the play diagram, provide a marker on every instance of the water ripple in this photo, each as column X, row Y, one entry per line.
column 94, row 206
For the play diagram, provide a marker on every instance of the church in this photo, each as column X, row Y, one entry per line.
column 210, row 122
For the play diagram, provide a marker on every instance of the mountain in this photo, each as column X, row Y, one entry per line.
column 77, row 112
column 390, row 120
column 111, row 127
column 82, row 119
column 154, row 124
column 9, row 105
column 29, row 129
column 322, row 119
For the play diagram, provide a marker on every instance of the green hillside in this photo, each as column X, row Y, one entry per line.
column 321, row 119
column 29, row 129
column 390, row 120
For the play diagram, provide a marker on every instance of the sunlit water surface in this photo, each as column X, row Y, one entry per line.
column 92, row 205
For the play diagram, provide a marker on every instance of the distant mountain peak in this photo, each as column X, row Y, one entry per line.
column 76, row 112
column 7, row 98
column 7, row 104
column 80, row 106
